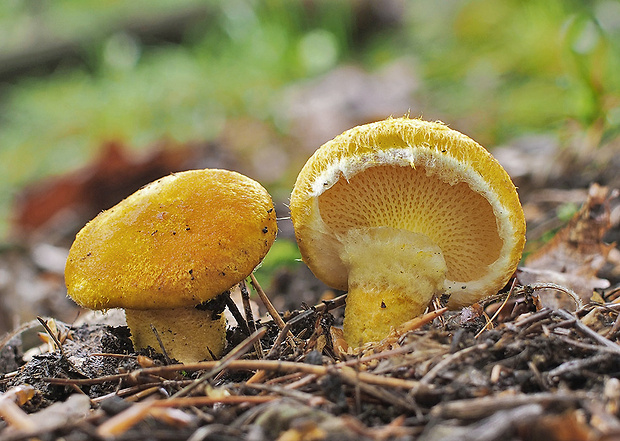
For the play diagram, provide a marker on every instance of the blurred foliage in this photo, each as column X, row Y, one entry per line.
column 24, row 23
column 233, row 64
column 283, row 254
column 515, row 66
column 494, row 68
column 566, row 211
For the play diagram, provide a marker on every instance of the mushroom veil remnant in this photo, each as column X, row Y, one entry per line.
column 169, row 248
column 403, row 209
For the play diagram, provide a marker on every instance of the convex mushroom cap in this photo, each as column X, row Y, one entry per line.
column 171, row 246
column 403, row 209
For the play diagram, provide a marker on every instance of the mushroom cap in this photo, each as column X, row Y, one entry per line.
column 177, row 242
column 414, row 175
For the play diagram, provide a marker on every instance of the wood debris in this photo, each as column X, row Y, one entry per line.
column 528, row 375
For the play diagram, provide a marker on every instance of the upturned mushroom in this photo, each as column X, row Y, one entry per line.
column 401, row 210
column 168, row 249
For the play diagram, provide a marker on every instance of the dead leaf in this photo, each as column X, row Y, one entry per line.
column 10, row 410
column 75, row 408
column 303, row 431
column 68, row 201
column 569, row 426
column 575, row 254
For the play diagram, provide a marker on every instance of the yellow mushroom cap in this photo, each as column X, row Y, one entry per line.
column 177, row 242
column 417, row 176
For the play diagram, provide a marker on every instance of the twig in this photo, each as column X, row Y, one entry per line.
column 98, row 380
column 582, row 345
column 244, row 365
column 140, row 387
column 488, row 323
column 206, row 401
column 325, row 305
column 354, row 378
column 285, row 378
column 143, row 393
column 418, row 322
column 223, row 363
column 124, row 420
column 589, row 332
column 437, row 305
column 328, row 305
column 53, row 337
column 381, row 355
column 302, row 397
column 232, row 307
column 301, row 382
column 273, row 312
column 161, row 344
column 406, row 327
column 409, row 359
column 430, row 375
column 136, row 413
column 573, row 365
column 249, row 317
column 533, row 318
column 565, row 290
column 475, row 408
column 498, row 426
column 614, row 329
column 278, row 342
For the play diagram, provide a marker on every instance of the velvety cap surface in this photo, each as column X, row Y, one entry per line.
column 177, row 242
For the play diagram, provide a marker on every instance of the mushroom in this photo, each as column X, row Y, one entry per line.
column 166, row 250
column 401, row 210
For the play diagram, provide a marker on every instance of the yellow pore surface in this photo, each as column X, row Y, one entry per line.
column 417, row 176
column 460, row 221
column 177, row 242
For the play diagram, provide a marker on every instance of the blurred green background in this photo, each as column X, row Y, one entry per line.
column 77, row 73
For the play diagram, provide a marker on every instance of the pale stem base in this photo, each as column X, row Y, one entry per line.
column 393, row 275
column 188, row 334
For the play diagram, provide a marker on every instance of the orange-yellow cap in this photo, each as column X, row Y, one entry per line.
column 177, row 242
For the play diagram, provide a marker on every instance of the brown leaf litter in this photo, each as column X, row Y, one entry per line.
column 576, row 254
column 534, row 372
column 538, row 361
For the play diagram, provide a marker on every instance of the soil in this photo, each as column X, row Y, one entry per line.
column 532, row 375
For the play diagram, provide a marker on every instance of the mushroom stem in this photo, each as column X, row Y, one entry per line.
column 393, row 274
column 188, row 334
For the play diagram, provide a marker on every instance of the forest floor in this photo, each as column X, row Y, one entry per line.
column 538, row 361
